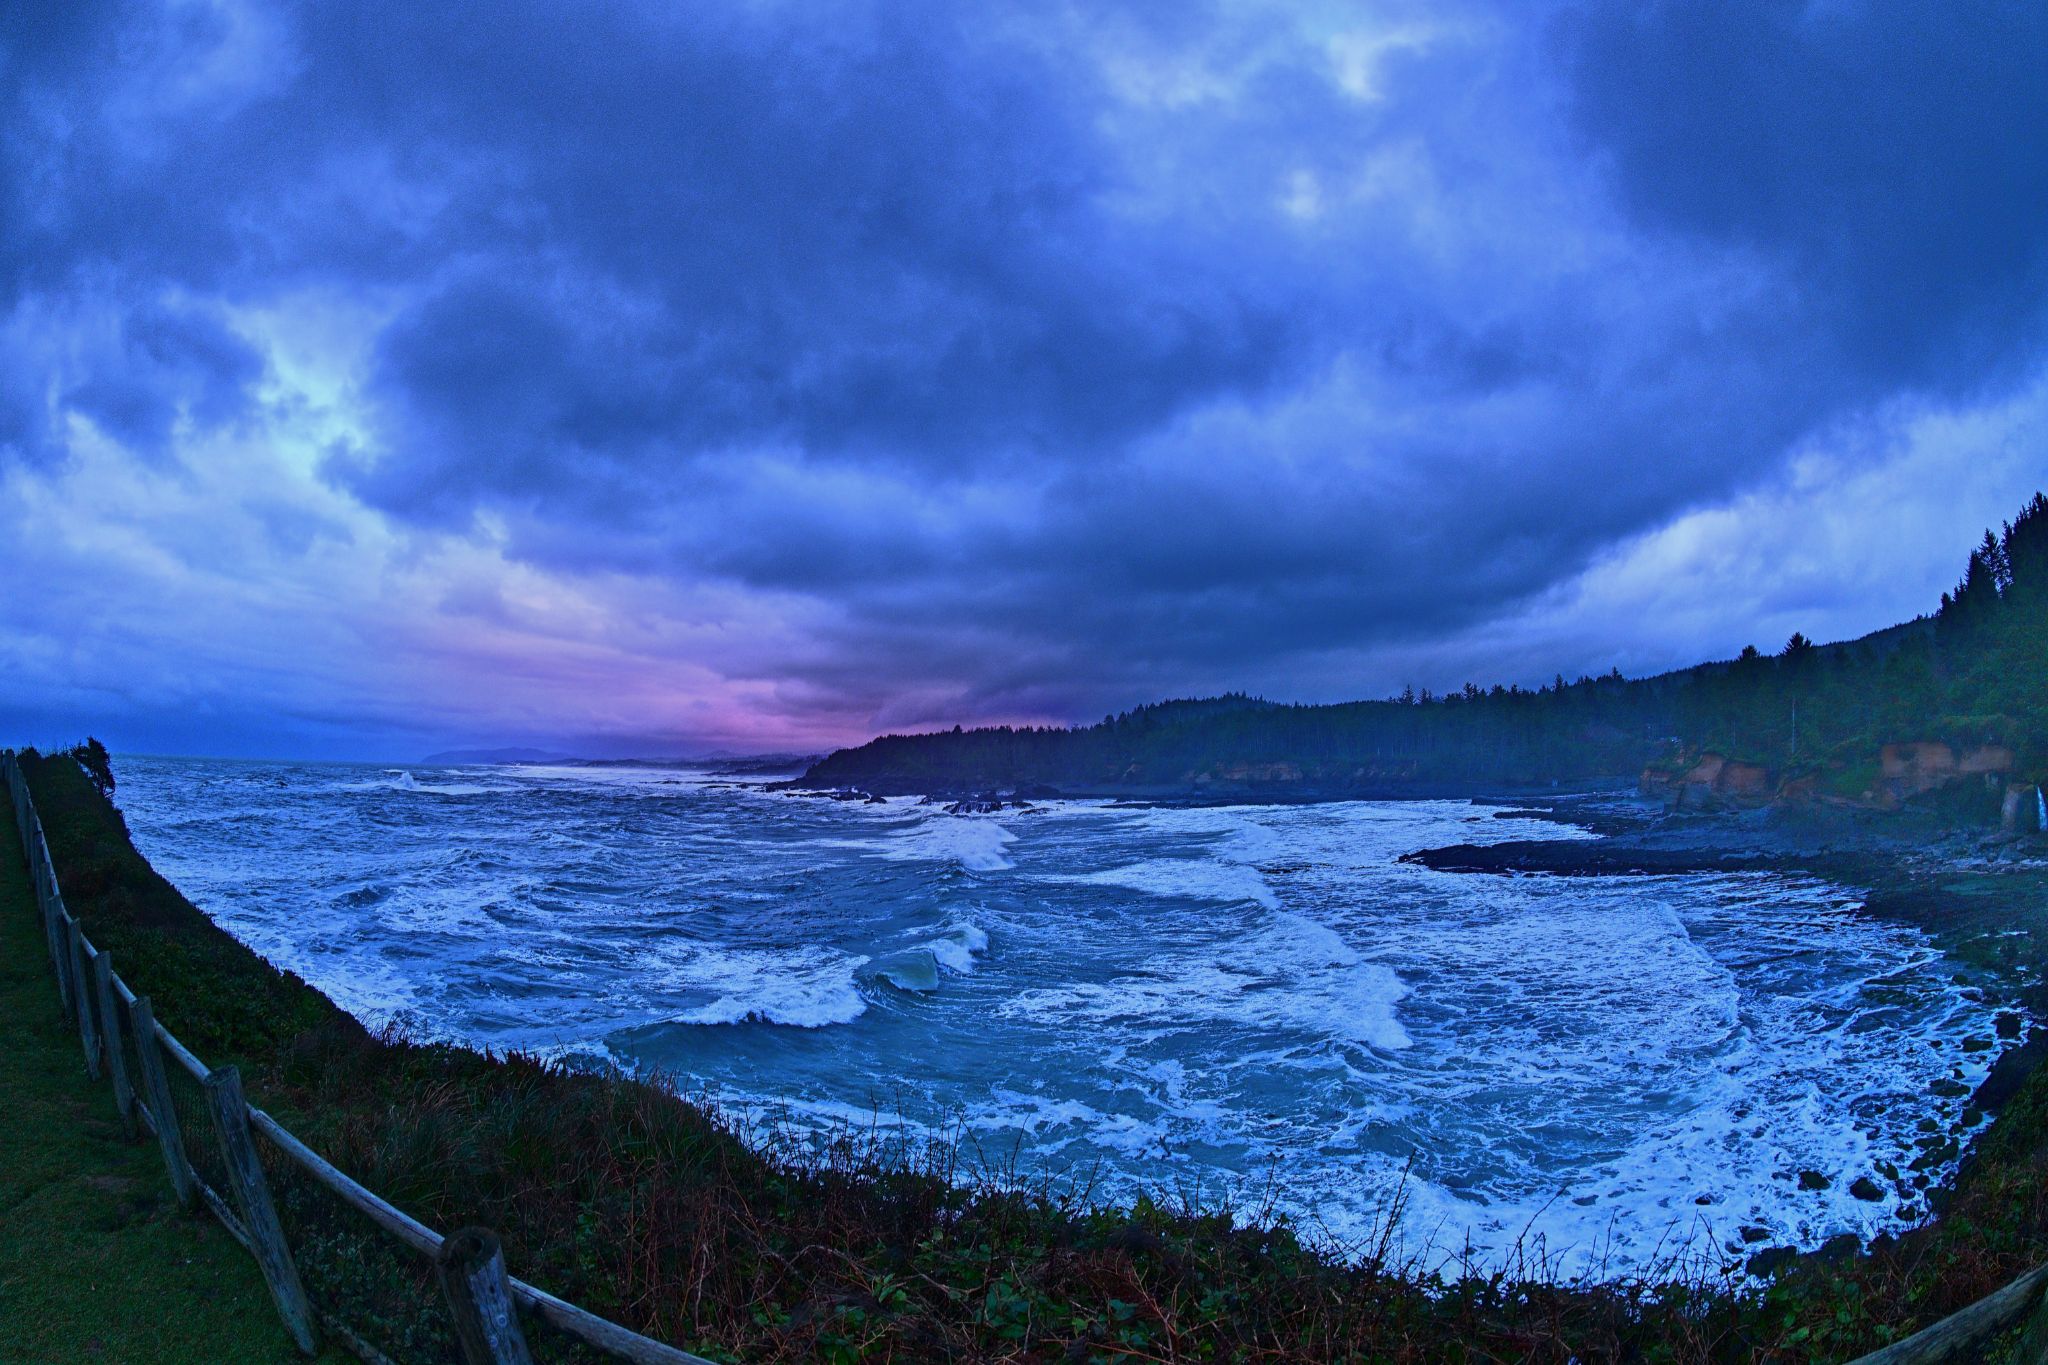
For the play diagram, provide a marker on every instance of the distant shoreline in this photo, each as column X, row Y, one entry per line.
column 1190, row 795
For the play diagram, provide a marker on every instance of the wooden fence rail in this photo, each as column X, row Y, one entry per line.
column 1963, row 1335
column 482, row 1301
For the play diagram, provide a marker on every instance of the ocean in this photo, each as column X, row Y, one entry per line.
column 1257, row 1006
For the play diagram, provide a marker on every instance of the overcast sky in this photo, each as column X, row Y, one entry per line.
column 376, row 377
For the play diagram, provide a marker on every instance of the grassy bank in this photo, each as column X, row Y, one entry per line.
column 96, row 1260
column 641, row 1206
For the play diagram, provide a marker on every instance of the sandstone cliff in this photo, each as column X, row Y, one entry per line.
column 1905, row 771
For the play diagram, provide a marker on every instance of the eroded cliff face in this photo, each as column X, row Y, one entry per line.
column 1905, row 770
column 1247, row 773
column 1909, row 770
column 1712, row 782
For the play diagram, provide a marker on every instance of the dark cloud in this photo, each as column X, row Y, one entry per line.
column 164, row 365
column 888, row 248
column 1051, row 356
column 1886, row 158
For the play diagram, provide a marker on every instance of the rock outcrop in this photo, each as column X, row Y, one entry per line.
column 1714, row 782
column 2022, row 810
column 1909, row 770
column 1248, row 773
column 1905, row 770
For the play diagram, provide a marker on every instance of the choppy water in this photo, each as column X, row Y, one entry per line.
column 1249, row 997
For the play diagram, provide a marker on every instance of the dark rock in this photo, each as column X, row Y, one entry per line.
column 1934, row 1156
column 2009, row 1072
column 1753, row 1234
column 2007, row 1025
column 1864, row 1188
column 1769, row 1262
column 1813, row 1180
column 976, row 805
column 1839, row 1248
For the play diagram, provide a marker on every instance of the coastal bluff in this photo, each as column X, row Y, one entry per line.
column 1905, row 773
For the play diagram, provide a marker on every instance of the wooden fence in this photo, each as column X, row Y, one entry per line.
column 1962, row 1336
column 231, row 1157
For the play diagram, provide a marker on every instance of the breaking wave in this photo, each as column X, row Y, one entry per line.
column 1247, row 997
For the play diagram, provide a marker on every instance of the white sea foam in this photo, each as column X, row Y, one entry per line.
column 1291, row 974
column 1266, row 994
column 959, row 946
column 402, row 780
column 807, row 987
column 974, row 842
column 1196, row 878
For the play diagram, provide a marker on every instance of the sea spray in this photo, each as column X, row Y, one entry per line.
column 1250, row 997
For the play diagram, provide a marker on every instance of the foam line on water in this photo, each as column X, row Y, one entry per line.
column 1180, row 996
column 976, row 843
column 1195, row 878
column 1291, row 973
column 803, row 987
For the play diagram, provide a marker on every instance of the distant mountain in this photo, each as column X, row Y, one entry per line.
column 761, row 765
column 460, row 756
column 1889, row 717
column 721, row 764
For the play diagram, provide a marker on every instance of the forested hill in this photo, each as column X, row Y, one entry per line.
column 1973, row 673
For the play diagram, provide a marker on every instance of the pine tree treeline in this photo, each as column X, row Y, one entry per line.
column 1975, row 672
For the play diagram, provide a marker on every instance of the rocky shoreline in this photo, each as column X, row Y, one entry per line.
column 1981, row 896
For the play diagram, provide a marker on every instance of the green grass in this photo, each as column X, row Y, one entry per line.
column 97, row 1262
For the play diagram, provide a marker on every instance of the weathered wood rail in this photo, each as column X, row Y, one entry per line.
column 1963, row 1335
column 483, row 1302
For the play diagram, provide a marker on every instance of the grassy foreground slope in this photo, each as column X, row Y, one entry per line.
column 641, row 1206
column 97, row 1262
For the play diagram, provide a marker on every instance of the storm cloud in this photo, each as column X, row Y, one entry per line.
column 776, row 372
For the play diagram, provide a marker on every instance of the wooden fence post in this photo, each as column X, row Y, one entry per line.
column 156, row 1093
column 88, row 1027
column 60, row 949
column 259, row 1215
column 110, row 1039
column 471, row 1268
column 53, row 936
